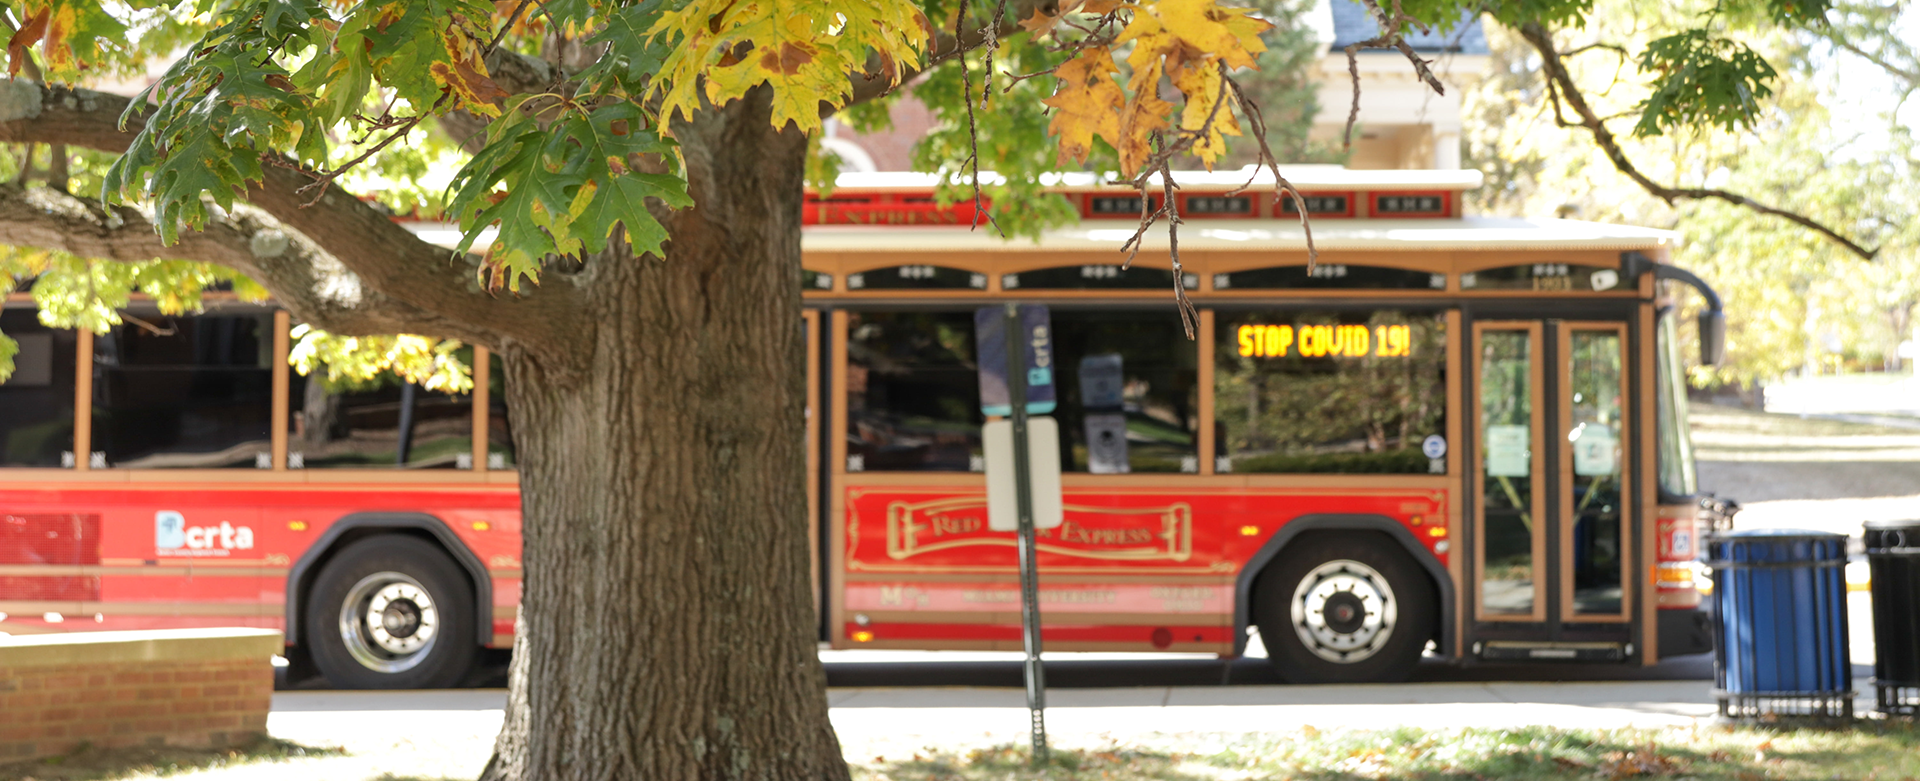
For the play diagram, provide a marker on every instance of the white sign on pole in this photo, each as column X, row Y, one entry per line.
column 1043, row 460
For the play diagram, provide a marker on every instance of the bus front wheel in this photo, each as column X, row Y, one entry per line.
column 391, row 612
column 1344, row 608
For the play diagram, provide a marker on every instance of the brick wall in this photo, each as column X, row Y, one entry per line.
column 199, row 688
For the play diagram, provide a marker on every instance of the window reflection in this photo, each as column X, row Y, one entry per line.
column 1129, row 395
column 1329, row 391
column 185, row 391
column 913, row 392
column 1594, row 437
column 1506, row 468
column 36, row 403
column 383, row 422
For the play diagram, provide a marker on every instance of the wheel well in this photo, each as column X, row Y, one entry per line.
column 355, row 527
column 1386, row 530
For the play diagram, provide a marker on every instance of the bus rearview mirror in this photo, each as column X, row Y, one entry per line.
column 1713, row 338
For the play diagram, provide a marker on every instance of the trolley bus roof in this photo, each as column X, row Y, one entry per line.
column 1470, row 233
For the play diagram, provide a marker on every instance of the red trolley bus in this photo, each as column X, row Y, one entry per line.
column 1453, row 435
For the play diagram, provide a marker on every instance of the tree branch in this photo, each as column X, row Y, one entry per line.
column 1560, row 80
column 386, row 258
column 309, row 282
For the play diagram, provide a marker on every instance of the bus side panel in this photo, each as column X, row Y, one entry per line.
column 1129, row 569
column 209, row 555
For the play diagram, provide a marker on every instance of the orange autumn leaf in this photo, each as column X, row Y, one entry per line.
column 28, row 35
column 1040, row 23
column 1086, row 104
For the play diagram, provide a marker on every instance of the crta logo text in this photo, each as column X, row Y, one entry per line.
column 173, row 537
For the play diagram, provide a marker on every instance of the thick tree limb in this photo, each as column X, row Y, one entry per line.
column 302, row 276
column 1560, row 82
column 440, row 297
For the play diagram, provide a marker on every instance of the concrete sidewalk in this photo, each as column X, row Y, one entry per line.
column 450, row 733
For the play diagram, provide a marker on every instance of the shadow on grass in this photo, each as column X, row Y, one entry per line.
column 89, row 763
column 1869, row 749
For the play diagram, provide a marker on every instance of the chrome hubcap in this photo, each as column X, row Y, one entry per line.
column 1344, row 611
column 389, row 622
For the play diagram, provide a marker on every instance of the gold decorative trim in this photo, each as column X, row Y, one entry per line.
column 1174, row 537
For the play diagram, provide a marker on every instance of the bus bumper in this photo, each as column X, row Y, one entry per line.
column 1684, row 631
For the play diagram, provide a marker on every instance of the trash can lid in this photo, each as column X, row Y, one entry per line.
column 1764, row 547
column 1909, row 525
column 1891, row 537
column 1770, row 535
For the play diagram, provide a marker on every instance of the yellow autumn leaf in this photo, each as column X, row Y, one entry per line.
column 54, row 45
column 465, row 74
column 1086, row 104
column 1202, row 82
column 1144, row 114
column 1231, row 34
column 802, row 49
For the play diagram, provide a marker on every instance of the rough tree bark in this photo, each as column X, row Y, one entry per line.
column 665, row 616
column 666, row 625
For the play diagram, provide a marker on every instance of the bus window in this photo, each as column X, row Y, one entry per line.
column 382, row 422
column 1330, row 276
column 1677, row 477
column 36, row 403
column 917, row 278
column 1129, row 392
column 1101, row 276
column 1353, row 391
column 1545, row 277
column 913, row 393
column 499, row 425
column 192, row 392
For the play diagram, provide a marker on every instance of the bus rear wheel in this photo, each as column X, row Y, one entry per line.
column 1344, row 608
column 391, row 612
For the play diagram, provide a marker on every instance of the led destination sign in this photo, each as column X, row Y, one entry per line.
column 1319, row 341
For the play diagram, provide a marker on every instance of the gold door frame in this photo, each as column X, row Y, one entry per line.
column 1564, row 411
column 1536, row 463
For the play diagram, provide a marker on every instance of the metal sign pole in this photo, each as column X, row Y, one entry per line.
column 1029, row 572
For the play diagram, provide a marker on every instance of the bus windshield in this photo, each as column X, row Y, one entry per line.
column 1677, row 478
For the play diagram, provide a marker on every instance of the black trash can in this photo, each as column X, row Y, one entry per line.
column 1893, row 556
column 1780, row 623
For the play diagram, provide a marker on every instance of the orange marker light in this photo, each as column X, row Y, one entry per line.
column 298, row 526
column 1249, row 531
column 862, row 637
column 1436, row 531
column 481, row 526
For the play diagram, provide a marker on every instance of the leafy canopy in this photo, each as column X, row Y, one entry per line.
column 345, row 90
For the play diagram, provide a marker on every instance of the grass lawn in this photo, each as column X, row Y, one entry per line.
column 1869, row 751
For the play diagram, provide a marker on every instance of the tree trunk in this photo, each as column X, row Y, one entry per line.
column 666, row 629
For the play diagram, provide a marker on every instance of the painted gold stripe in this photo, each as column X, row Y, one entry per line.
column 99, row 570
column 498, row 574
column 1052, row 579
column 1052, row 618
column 508, row 612
column 252, row 610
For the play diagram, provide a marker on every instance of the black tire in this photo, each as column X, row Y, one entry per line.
column 1376, row 610
column 426, row 636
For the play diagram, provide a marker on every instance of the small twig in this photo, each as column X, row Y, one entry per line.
column 502, row 34
column 149, row 327
column 1560, row 78
column 1257, row 127
column 1390, row 37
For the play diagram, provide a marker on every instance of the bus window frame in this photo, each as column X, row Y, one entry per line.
column 1536, row 461
column 1568, row 614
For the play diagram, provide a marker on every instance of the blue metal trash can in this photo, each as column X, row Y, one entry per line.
column 1780, row 623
